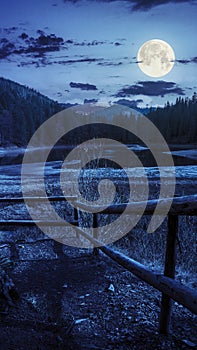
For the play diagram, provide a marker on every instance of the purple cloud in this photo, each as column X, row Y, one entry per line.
column 150, row 88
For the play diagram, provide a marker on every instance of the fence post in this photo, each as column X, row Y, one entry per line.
column 169, row 271
column 95, row 235
column 76, row 218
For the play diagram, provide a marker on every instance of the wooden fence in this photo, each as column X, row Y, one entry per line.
column 165, row 283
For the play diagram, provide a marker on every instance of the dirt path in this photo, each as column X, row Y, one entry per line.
column 81, row 301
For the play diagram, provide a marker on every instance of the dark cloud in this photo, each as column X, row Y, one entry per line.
column 69, row 41
column 43, row 61
column 44, row 43
column 89, row 43
column 116, row 62
column 93, row 100
column 194, row 59
column 129, row 103
column 108, row 64
column 184, row 61
column 6, row 48
column 142, row 5
column 117, row 43
column 23, row 36
column 83, row 86
column 10, row 30
column 39, row 47
column 114, row 76
column 85, row 43
column 80, row 60
column 151, row 88
column 92, row 43
column 28, row 45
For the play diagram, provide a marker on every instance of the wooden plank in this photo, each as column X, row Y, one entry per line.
column 169, row 271
column 76, row 219
column 36, row 222
column 95, row 234
column 185, row 205
column 182, row 294
column 178, row 292
column 37, row 199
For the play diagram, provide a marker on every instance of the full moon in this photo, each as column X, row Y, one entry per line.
column 156, row 58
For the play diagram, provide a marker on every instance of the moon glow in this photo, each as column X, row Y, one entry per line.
column 156, row 58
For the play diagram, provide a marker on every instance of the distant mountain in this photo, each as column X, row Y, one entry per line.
column 23, row 110
column 133, row 104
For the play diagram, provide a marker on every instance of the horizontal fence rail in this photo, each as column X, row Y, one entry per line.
column 35, row 222
column 182, row 294
column 37, row 199
column 186, row 205
column 171, row 289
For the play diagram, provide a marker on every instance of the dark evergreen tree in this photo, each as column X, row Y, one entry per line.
column 22, row 111
column 177, row 122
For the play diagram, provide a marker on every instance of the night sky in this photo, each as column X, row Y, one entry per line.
column 73, row 51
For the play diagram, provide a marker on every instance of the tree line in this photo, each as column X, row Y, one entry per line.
column 177, row 122
column 23, row 110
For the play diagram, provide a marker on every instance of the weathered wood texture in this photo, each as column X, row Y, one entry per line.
column 182, row 294
column 33, row 223
column 166, row 284
column 36, row 199
column 169, row 271
column 186, row 205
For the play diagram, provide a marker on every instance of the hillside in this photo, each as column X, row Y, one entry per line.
column 22, row 110
column 178, row 122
